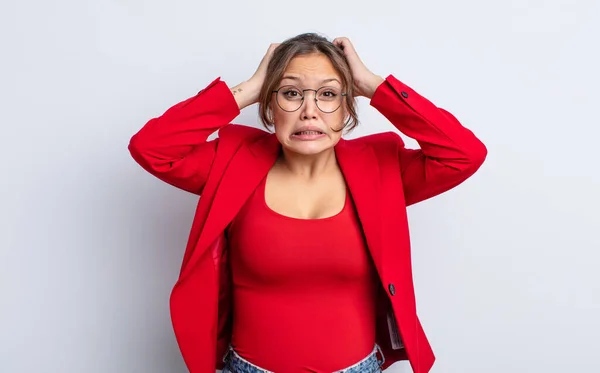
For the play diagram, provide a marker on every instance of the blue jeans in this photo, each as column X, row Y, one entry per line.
column 234, row 363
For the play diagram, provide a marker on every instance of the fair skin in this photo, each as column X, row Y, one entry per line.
column 306, row 181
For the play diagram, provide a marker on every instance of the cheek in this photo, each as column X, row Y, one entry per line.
column 337, row 120
column 284, row 125
column 283, row 121
column 336, row 136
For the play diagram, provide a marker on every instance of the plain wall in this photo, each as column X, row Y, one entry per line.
column 505, row 265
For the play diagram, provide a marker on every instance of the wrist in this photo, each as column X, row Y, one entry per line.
column 371, row 84
column 246, row 93
column 253, row 86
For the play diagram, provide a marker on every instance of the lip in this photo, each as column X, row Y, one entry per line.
column 308, row 137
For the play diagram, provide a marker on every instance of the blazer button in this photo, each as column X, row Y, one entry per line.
column 392, row 289
column 404, row 94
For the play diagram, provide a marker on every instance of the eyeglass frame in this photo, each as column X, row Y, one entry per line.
column 343, row 94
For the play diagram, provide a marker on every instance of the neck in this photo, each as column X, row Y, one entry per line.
column 308, row 166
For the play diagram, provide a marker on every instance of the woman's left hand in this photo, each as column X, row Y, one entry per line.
column 365, row 82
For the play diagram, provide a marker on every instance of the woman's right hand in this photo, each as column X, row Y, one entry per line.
column 247, row 93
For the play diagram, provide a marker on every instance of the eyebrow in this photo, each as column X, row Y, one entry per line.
column 322, row 82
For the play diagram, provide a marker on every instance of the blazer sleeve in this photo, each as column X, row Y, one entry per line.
column 174, row 147
column 449, row 153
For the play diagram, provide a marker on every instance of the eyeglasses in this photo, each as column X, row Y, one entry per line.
column 290, row 98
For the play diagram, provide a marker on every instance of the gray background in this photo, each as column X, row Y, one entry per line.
column 505, row 265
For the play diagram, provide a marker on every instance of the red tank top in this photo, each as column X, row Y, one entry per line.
column 303, row 289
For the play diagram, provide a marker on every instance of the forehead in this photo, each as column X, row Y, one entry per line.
column 310, row 69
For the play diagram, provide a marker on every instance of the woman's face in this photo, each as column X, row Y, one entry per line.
column 308, row 130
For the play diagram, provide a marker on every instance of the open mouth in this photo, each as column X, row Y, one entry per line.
column 308, row 133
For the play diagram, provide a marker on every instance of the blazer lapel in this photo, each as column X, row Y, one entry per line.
column 248, row 167
column 252, row 162
column 361, row 171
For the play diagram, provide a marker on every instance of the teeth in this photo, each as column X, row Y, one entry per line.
column 309, row 133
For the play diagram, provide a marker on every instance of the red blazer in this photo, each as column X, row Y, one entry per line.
column 383, row 178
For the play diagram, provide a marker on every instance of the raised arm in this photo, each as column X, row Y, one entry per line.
column 174, row 147
column 449, row 153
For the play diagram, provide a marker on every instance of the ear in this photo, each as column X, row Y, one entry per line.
column 270, row 113
column 346, row 112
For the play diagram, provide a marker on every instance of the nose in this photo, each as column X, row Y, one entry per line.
column 309, row 106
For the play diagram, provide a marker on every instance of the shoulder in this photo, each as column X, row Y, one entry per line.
column 379, row 140
column 240, row 133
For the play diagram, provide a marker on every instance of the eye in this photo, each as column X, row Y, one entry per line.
column 328, row 94
column 291, row 93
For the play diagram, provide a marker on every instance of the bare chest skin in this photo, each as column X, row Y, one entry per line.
column 304, row 197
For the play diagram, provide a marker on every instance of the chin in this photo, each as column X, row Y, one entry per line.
column 309, row 148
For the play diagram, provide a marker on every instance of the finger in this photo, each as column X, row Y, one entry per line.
column 344, row 44
column 339, row 42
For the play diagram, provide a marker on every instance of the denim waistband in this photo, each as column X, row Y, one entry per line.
column 370, row 364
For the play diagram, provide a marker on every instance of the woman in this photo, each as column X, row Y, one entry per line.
column 298, row 258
